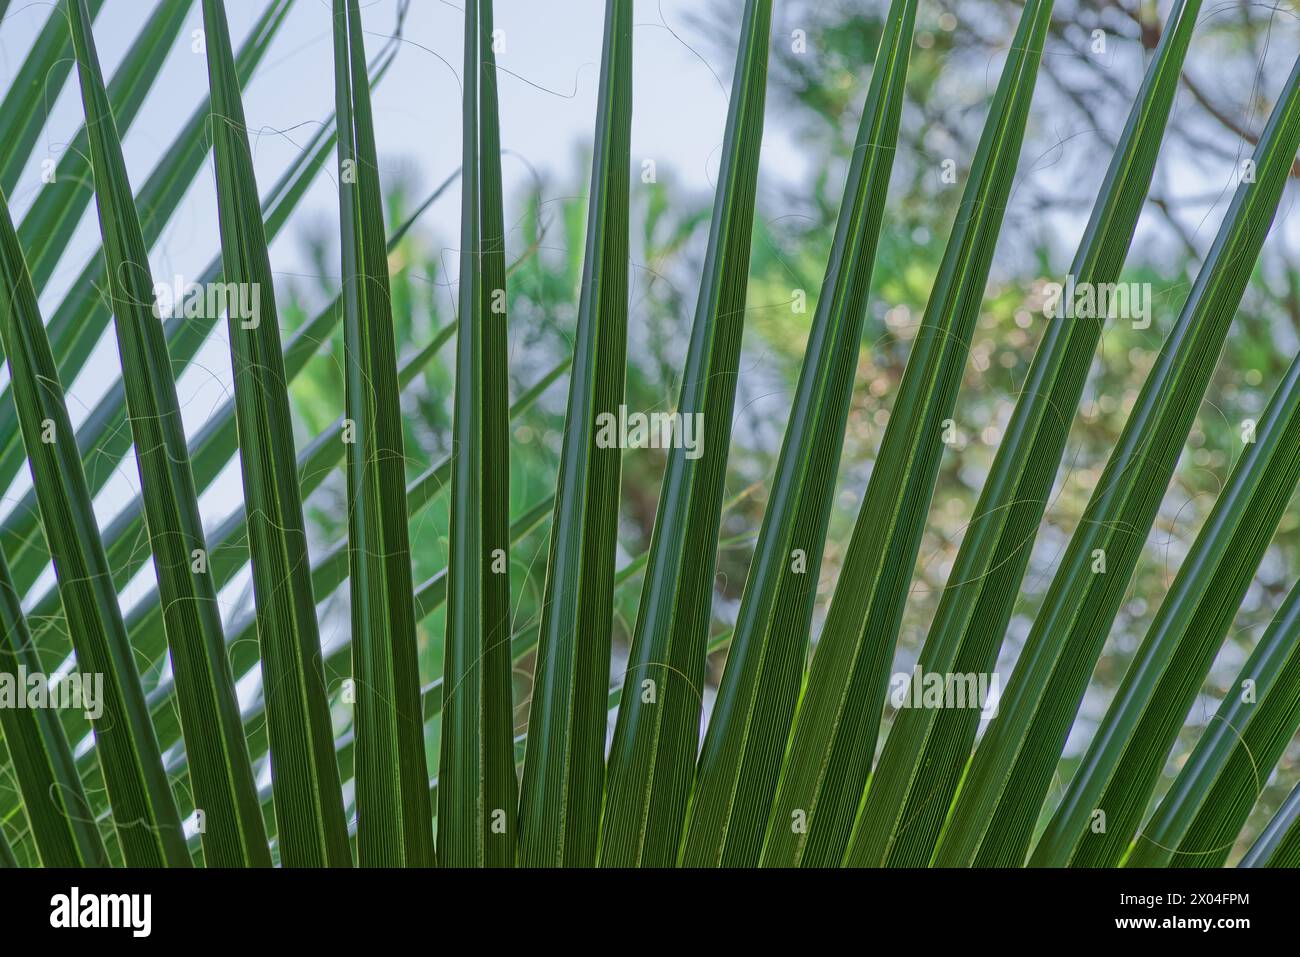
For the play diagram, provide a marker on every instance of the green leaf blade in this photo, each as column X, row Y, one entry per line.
column 220, row 769
column 1011, row 771
column 1205, row 809
column 81, row 318
column 37, row 82
column 563, row 781
column 394, row 817
column 1278, row 845
column 309, row 806
column 745, row 742
column 51, row 791
column 49, row 224
column 477, row 788
column 834, row 736
column 652, row 759
column 209, row 450
column 927, row 749
column 1123, row 762
column 144, row 809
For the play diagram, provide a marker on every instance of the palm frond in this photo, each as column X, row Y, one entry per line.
column 309, row 805
column 43, row 72
column 299, row 731
column 745, row 742
column 1205, row 808
column 652, row 758
column 220, row 770
column 995, row 811
column 144, row 810
column 1118, row 773
column 57, row 808
column 927, row 748
column 48, row 225
column 82, row 316
column 477, row 788
column 834, row 738
column 1278, row 844
column 394, row 820
column 564, row 770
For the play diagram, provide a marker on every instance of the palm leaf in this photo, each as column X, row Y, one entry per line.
column 104, row 438
column 1207, row 805
column 1004, row 789
column 309, row 806
column 229, row 545
column 148, row 824
column 222, row 777
column 1278, row 844
column 272, row 775
column 330, row 571
column 477, row 792
column 835, row 728
column 55, row 802
column 37, row 82
column 652, row 759
column 82, row 316
column 48, row 225
column 229, row 554
column 927, row 748
column 431, row 595
column 394, row 819
column 745, row 741
column 209, row 451
column 7, row 858
column 1119, row 771
column 563, row 782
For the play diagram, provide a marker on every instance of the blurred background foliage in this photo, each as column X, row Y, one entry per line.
column 1083, row 95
